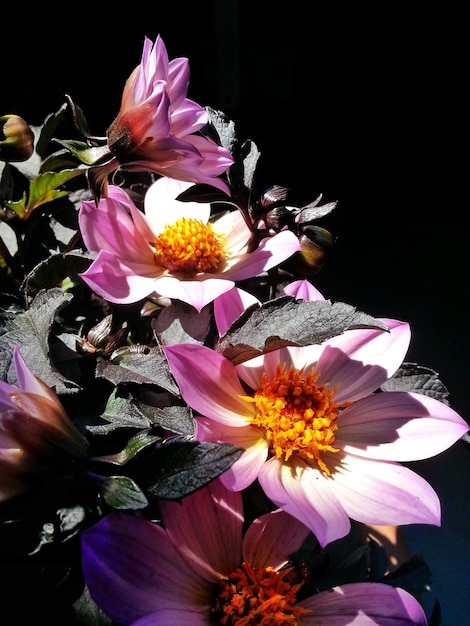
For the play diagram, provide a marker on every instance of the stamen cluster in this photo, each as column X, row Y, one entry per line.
column 297, row 415
column 189, row 246
column 256, row 595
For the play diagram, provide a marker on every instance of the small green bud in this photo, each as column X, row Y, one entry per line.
column 16, row 139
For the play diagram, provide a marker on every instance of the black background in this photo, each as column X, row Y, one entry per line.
column 365, row 103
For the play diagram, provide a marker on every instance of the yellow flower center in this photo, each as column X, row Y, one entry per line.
column 297, row 415
column 190, row 246
column 252, row 595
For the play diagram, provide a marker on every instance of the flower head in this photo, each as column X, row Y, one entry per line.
column 155, row 129
column 324, row 446
column 199, row 569
column 36, row 436
column 172, row 249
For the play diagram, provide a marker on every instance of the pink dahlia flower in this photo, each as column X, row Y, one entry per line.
column 172, row 249
column 156, row 126
column 36, row 436
column 200, row 570
column 324, row 447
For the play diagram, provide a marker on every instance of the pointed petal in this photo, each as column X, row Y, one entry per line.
column 360, row 360
column 271, row 538
column 198, row 292
column 363, row 604
column 175, row 617
column 28, row 381
column 114, row 280
column 382, row 493
column 110, row 551
column 206, row 526
column 302, row 290
column 230, row 305
column 305, row 494
column 399, row 426
column 109, row 226
column 162, row 208
column 208, row 383
column 270, row 253
column 246, row 468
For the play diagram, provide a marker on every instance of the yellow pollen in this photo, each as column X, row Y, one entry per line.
column 256, row 596
column 190, row 246
column 298, row 416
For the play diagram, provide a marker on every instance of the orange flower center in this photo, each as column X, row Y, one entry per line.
column 190, row 246
column 297, row 415
column 256, row 595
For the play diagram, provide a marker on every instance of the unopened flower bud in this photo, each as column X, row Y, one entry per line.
column 16, row 139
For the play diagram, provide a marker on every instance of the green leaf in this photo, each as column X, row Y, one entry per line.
column 286, row 321
column 30, row 331
column 136, row 444
column 121, row 492
column 179, row 468
column 86, row 154
column 43, row 189
column 413, row 377
column 120, row 412
column 54, row 270
column 149, row 368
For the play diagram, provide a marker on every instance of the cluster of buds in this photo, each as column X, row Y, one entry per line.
column 271, row 212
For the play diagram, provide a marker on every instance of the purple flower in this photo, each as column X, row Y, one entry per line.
column 37, row 439
column 200, row 570
column 172, row 249
column 155, row 129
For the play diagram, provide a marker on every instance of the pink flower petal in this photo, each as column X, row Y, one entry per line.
column 363, row 604
column 215, row 391
column 175, row 617
column 197, row 292
column 162, row 208
column 270, row 253
column 212, row 546
column 380, row 492
column 271, row 538
column 117, row 282
column 246, row 468
column 230, row 305
column 302, row 290
column 399, row 426
column 360, row 360
column 305, row 494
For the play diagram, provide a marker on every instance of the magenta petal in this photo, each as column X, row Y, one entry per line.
column 270, row 253
column 302, row 290
column 361, row 604
column 271, row 538
column 399, row 426
column 27, row 380
column 382, row 493
column 361, row 360
column 175, row 617
column 197, row 293
column 117, row 282
column 231, row 305
column 211, row 546
column 246, row 468
column 110, row 551
column 208, row 383
column 305, row 494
